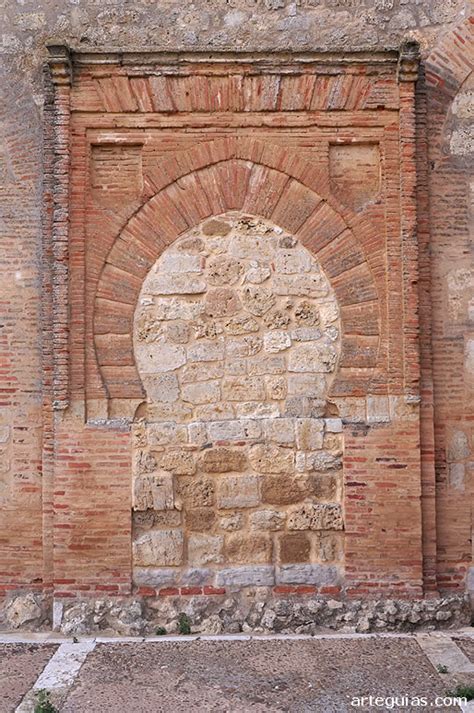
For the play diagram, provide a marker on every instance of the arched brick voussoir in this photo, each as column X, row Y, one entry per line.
column 112, row 317
column 296, row 204
column 450, row 63
column 355, row 286
column 321, row 227
column 264, row 190
column 341, row 254
column 118, row 285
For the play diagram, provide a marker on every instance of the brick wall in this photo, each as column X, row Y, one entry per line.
column 74, row 177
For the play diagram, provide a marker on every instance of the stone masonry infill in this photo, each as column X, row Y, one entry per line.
column 254, row 610
column 237, row 455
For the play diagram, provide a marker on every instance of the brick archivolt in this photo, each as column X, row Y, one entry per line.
column 247, row 176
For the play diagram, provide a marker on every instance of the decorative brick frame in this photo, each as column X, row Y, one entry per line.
column 125, row 101
column 229, row 176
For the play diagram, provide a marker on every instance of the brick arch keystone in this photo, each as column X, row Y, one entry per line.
column 237, row 183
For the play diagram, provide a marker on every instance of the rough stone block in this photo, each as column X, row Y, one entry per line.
column 316, row 516
column 322, row 575
column 224, row 270
column 280, row 431
column 205, row 549
column 238, row 491
column 233, row 430
column 258, row 575
column 294, row 547
column 162, row 387
column 276, row 341
column 283, row 489
column 223, row 460
column 243, row 388
column 203, row 392
column 309, row 385
column 179, row 462
column 200, row 519
column 272, row 520
column 176, row 284
column 271, row 459
column 159, row 548
column 248, row 548
column 309, row 434
column 155, row 576
column 312, row 357
column 196, row 493
column 153, row 492
column 206, row 350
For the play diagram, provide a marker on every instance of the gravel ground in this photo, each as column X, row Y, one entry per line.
column 257, row 676
column 467, row 647
column 20, row 666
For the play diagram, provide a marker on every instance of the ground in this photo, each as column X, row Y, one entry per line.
column 324, row 673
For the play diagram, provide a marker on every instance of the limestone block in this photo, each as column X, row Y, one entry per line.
column 197, row 434
column 306, row 314
column 175, row 261
column 258, row 575
column 154, row 491
column 277, row 319
column 310, row 385
column 320, row 574
column 257, row 299
column 256, row 409
column 196, row 492
column 316, row 516
column 312, row 357
column 155, row 577
column 280, row 431
column 333, row 425
column 161, row 434
column 201, row 392
column 221, row 302
column 238, row 491
column 162, row 387
column 330, row 547
column 257, row 274
column 333, row 442
column 458, row 446
column 328, row 313
column 222, row 460
column 224, row 270
column 244, row 346
column 159, row 356
column 243, row 388
column 272, row 520
column 378, row 410
column 276, row 341
column 214, row 412
column 205, row 549
column 322, row 461
column 207, row 328
column 176, row 308
column 208, row 350
column 283, row 489
column 307, row 285
column 200, row 519
column 294, row 547
column 351, row 409
column 233, row 522
column 176, row 284
column 158, row 548
column 201, row 371
column 179, row 462
column 305, row 334
column 251, row 247
column 244, row 548
column 276, row 387
column 271, row 458
column 292, row 261
column 309, row 433
column 324, row 487
column 241, row 324
column 233, row 430
column 266, row 365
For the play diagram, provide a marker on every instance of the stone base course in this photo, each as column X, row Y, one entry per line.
column 258, row 610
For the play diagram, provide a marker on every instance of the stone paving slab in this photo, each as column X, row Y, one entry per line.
column 20, row 666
